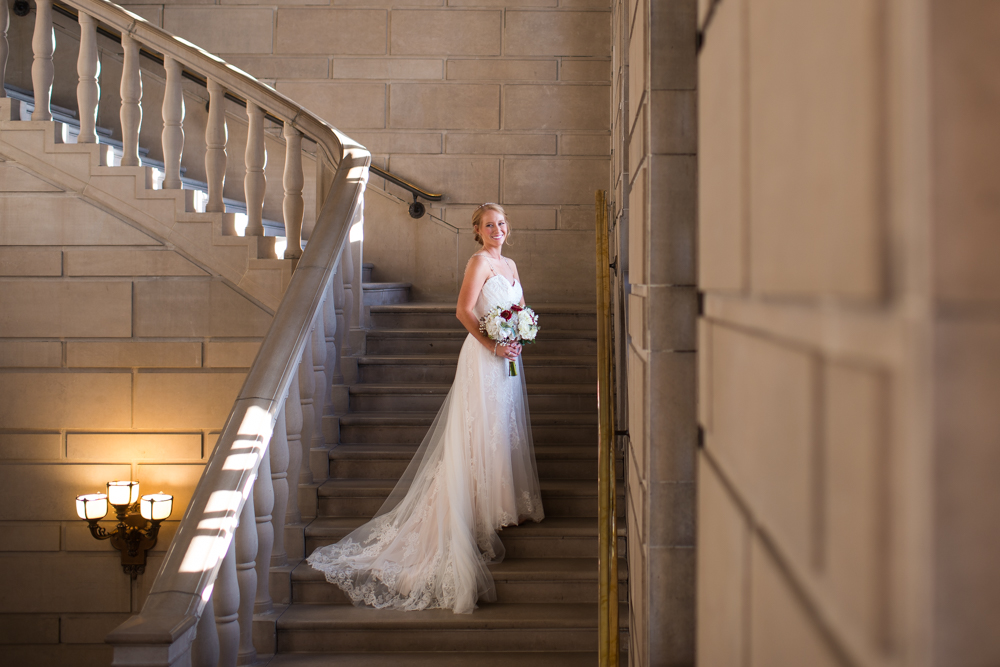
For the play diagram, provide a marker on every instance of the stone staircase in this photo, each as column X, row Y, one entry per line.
column 120, row 206
column 546, row 611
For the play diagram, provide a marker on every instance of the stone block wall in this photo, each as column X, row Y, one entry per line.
column 654, row 193
column 119, row 358
column 847, row 350
column 479, row 99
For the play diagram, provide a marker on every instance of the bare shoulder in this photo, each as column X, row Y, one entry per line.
column 511, row 264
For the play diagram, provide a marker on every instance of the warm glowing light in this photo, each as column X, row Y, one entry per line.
column 123, row 492
column 156, row 506
column 92, row 506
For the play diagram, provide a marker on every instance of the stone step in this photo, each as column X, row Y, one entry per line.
column 574, row 317
column 447, row 341
column 438, row 659
column 363, row 497
column 497, row 628
column 526, row 580
column 386, row 461
column 426, row 397
column 440, row 369
column 410, row 427
column 381, row 294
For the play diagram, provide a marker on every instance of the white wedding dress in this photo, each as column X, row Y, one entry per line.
column 429, row 544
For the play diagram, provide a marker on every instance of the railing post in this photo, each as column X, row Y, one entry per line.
column 293, row 426
column 338, row 313
column 131, row 113
column 246, row 577
column 318, row 345
column 348, row 296
column 173, row 125
column 278, row 455
column 43, row 45
column 254, row 183
column 307, row 389
column 88, row 90
column 215, row 147
column 226, row 603
column 292, row 205
column 263, row 502
column 332, row 331
column 4, row 45
column 205, row 648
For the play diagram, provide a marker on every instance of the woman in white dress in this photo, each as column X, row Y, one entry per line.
column 429, row 544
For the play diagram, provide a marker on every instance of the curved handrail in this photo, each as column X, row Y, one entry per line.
column 192, row 561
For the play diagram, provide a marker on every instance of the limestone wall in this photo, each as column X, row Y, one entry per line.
column 479, row 99
column 848, row 350
column 119, row 358
column 654, row 195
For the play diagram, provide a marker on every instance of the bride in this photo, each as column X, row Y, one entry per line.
column 474, row 473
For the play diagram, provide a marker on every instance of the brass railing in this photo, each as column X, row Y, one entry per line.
column 607, row 541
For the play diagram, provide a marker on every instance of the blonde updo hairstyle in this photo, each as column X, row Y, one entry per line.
column 477, row 219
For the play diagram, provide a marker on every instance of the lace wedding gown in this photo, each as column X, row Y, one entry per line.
column 474, row 473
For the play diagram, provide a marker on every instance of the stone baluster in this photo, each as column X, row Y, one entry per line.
column 131, row 112
column 293, row 426
column 338, row 313
column 4, row 45
column 246, row 577
column 307, row 389
column 215, row 147
column 205, row 648
column 263, row 502
column 173, row 125
column 226, row 605
column 43, row 44
column 278, row 455
column 88, row 90
column 349, row 295
column 292, row 205
column 256, row 158
column 331, row 331
column 320, row 464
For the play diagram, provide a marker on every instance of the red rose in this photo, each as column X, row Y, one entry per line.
column 516, row 309
column 505, row 314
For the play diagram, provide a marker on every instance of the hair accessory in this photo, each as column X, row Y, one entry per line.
column 489, row 203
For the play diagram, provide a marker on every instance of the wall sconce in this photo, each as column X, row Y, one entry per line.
column 135, row 534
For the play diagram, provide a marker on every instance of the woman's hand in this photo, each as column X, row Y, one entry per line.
column 512, row 351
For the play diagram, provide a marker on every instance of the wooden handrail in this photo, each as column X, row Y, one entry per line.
column 607, row 501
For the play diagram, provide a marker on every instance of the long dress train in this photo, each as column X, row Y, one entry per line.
column 429, row 544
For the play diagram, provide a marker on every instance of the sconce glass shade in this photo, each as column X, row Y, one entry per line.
column 123, row 492
column 92, row 506
column 156, row 506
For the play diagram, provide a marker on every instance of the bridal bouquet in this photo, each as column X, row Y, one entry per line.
column 509, row 325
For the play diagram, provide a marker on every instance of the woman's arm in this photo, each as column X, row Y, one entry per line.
column 476, row 274
column 518, row 279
